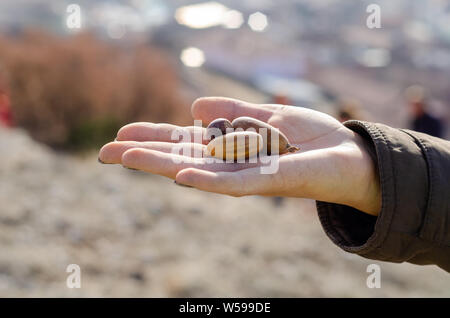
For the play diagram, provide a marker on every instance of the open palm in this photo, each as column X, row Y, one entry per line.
column 332, row 165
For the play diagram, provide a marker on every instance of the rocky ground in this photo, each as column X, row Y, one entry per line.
column 134, row 234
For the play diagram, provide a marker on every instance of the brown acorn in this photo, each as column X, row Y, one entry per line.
column 249, row 123
column 221, row 124
column 235, row 146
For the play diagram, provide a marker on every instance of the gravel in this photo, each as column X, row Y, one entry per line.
column 138, row 235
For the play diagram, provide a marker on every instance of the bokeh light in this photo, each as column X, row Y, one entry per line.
column 201, row 16
column 258, row 21
column 232, row 19
column 375, row 58
column 192, row 57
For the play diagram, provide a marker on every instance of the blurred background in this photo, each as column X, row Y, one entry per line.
column 64, row 92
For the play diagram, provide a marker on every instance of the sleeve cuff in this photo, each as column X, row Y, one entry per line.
column 375, row 237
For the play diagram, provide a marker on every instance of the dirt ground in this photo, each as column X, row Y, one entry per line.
column 133, row 234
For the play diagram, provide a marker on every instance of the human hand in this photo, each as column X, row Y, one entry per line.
column 333, row 163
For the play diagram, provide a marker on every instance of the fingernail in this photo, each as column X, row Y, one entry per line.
column 104, row 163
column 130, row 168
column 182, row 185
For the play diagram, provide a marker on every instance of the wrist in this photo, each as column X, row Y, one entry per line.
column 367, row 187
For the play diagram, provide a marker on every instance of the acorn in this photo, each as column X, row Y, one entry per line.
column 266, row 131
column 216, row 126
column 235, row 146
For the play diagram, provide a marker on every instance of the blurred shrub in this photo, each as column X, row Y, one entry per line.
column 76, row 92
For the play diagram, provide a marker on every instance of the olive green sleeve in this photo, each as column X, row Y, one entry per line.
column 414, row 221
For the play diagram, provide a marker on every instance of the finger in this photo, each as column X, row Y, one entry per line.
column 160, row 132
column 112, row 152
column 169, row 164
column 210, row 108
column 238, row 183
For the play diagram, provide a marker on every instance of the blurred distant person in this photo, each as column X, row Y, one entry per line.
column 349, row 109
column 422, row 120
column 5, row 110
column 281, row 99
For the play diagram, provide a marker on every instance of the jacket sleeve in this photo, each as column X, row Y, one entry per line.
column 414, row 222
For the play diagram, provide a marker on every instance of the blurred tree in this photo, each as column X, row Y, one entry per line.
column 77, row 91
